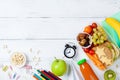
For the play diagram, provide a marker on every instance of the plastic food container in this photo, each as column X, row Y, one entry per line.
column 84, row 39
column 102, row 50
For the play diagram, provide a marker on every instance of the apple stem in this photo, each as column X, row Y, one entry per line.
column 56, row 58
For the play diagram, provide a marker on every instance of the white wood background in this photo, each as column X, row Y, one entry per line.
column 47, row 25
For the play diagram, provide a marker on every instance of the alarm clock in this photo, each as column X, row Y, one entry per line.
column 70, row 50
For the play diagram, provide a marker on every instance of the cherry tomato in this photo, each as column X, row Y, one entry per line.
column 94, row 25
column 88, row 29
column 91, row 52
column 86, row 50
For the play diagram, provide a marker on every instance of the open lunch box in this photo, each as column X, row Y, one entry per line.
column 101, row 43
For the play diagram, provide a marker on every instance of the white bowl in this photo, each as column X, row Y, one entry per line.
column 90, row 41
column 19, row 55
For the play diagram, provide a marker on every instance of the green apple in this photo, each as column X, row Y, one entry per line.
column 59, row 67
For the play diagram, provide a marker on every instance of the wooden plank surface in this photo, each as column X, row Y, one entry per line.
column 58, row 8
column 46, row 26
column 40, row 28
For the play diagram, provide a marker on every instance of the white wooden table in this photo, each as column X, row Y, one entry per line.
column 43, row 27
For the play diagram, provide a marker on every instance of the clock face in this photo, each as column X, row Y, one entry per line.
column 69, row 52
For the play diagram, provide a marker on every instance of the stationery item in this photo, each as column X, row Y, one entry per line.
column 47, row 75
column 42, row 78
column 37, row 77
column 51, row 74
column 43, row 75
column 87, row 71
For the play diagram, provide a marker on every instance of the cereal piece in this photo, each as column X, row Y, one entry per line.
column 5, row 68
column 9, row 74
column 28, row 67
column 31, row 50
column 1, row 65
column 9, row 51
column 5, row 46
column 18, row 77
column 38, row 51
column 14, row 75
column 11, row 68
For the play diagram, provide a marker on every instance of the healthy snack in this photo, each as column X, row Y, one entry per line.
column 114, row 24
column 99, row 36
column 84, row 39
column 18, row 59
column 59, row 67
column 87, row 71
column 96, row 61
column 102, row 52
column 110, row 75
column 88, row 29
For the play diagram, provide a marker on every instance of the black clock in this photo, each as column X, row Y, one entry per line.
column 70, row 50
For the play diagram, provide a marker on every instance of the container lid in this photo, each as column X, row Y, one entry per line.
column 81, row 61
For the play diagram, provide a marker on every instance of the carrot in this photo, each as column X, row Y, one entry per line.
column 96, row 61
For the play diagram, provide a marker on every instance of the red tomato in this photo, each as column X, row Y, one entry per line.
column 86, row 50
column 94, row 25
column 91, row 52
column 88, row 29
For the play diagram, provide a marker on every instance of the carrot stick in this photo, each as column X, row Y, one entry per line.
column 96, row 61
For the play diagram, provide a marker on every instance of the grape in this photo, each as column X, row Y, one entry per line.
column 99, row 36
column 95, row 36
column 101, row 41
column 95, row 43
column 102, row 38
column 98, row 41
column 93, row 40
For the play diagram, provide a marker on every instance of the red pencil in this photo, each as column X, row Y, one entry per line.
column 51, row 78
